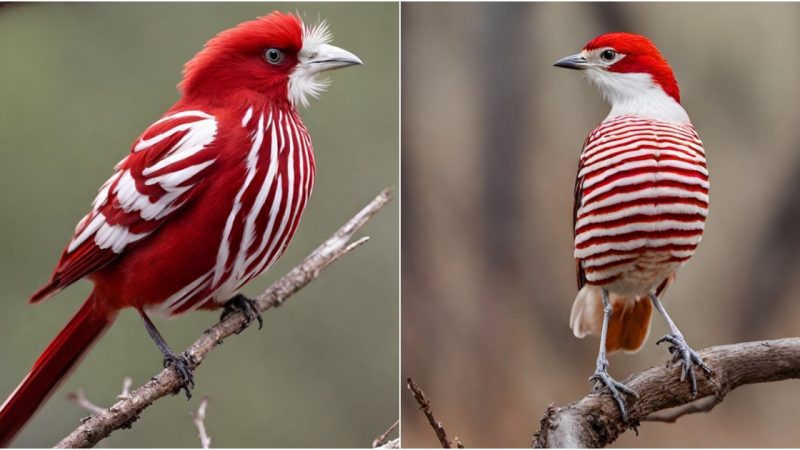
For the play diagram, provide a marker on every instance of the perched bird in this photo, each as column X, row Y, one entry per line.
column 641, row 201
column 208, row 197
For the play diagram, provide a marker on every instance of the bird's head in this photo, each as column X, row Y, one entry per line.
column 276, row 57
column 625, row 67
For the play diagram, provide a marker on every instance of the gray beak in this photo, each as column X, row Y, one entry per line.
column 577, row 62
column 328, row 57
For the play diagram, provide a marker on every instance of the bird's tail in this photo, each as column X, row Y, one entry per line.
column 628, row 327
column 52, row 367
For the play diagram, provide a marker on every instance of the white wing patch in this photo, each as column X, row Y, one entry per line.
column 207, row 120
column 200, row 134
column 90, row 228
column 128, row 197
column 116, row 237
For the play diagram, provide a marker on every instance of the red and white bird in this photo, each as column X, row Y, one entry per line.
column 641, row 201
column 208, row 198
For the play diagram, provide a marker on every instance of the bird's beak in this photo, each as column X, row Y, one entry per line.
column 328, row 57
column 577, row 62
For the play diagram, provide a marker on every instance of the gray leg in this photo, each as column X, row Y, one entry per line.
column 601, row 376
column 180, row 362
column 679, row 349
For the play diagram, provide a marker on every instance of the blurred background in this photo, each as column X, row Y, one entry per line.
column 79, row 82
column 491, row 137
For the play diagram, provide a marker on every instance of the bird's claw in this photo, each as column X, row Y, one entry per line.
column 687, row 357
column 602, row 378
column 246, row 306
column 183, row 368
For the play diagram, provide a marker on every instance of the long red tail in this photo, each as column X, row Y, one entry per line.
column 52, row 367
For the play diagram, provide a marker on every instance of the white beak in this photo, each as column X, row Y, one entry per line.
column 328, row 57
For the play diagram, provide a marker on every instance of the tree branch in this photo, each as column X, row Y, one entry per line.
column 126, row 411
column 594, row 421
column 425, row 407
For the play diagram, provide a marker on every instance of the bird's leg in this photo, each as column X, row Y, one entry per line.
column 247, row 306
column 180, row 363
column 601, row 376
column 679, row 349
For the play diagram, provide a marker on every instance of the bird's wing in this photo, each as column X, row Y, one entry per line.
column 162, row 172
column 580, row 274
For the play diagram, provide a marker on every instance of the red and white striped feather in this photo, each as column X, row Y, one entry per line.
column 641, row 200
column 168, row 161
column 273, row 173
column 277, row 176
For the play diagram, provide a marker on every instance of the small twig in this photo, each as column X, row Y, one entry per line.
column 704, row 404
column 80, row 398
column 425, row 406
column 126, row 388
column 384, row 438
column 356, row 243
column 199, row 418
column 125, row 412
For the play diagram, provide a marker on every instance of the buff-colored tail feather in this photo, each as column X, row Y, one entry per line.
column 628, row 327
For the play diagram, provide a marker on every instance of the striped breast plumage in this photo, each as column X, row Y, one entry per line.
column 257, row 178
column 641, row 202
column 277, row 183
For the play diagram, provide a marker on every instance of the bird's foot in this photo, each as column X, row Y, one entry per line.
column 184, row 369
column 681, row 352
column 246, row 306
column 602, row 378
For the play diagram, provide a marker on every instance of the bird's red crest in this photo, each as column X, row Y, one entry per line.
column 641, row 56
column 234, row 57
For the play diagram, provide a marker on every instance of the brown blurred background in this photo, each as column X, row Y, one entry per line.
column 78, row 83
column 491, row 137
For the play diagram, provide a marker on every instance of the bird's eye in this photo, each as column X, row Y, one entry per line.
column 273, row 56
column 608, row 55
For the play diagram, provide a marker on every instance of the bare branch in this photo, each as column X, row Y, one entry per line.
column 199, row 419
column 126, row 411
column 425, row 406
column 594, row 421
column 383, row 439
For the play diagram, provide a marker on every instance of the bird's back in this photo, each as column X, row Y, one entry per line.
column 642, row 201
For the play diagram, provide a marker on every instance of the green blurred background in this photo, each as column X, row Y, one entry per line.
column 491, row 138
column 78, row 83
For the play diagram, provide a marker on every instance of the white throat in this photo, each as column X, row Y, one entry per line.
column 636, row 94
